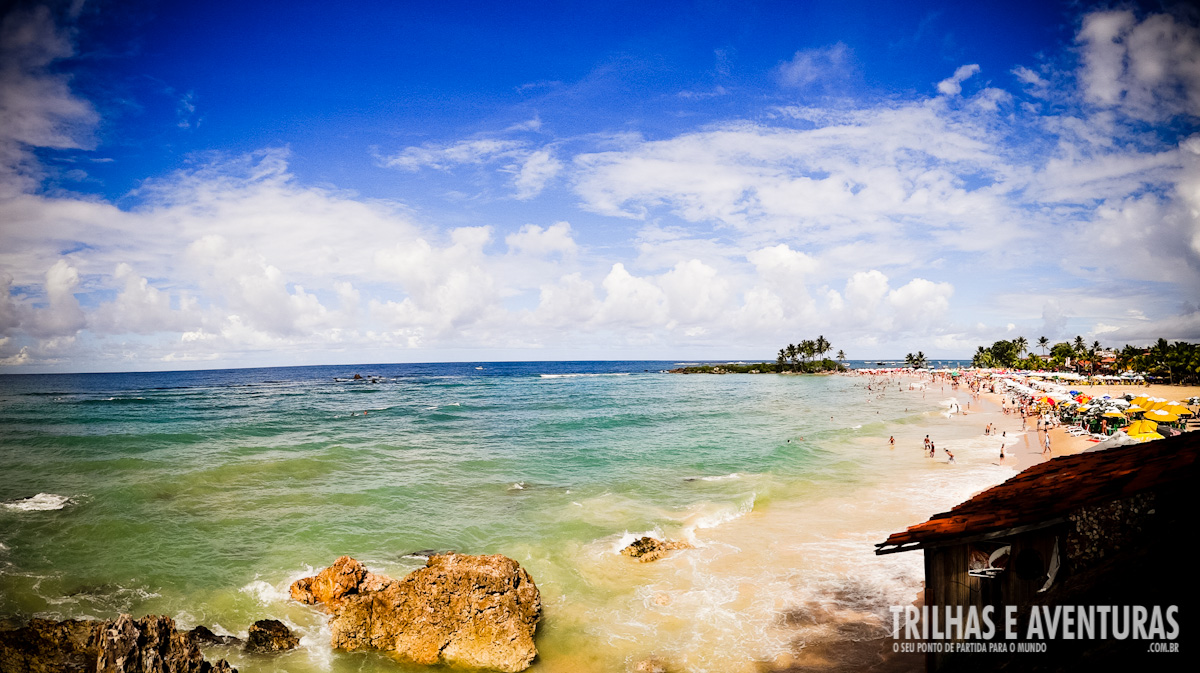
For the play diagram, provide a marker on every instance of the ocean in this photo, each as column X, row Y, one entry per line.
column 203, row 495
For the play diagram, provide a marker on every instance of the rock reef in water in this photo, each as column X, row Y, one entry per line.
column 123, row 645
column 474, row 611
column 270, row 635
column 648, row 549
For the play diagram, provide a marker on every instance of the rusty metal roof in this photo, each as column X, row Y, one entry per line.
column 1047, row 492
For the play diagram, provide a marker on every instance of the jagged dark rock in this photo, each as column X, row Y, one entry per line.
column 473, row 611
column 202, row 634
column 270, row 635
column 123, row 645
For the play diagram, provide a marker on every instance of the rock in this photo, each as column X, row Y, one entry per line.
column 648, row 549
column 331, row 584
column 650, row 665
column 270, row 635
column 124, row 645
column 474, row 611
column 202, row 634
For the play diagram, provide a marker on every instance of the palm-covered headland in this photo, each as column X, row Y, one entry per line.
column 806, row 357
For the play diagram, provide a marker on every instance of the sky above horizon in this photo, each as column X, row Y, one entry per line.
column 200, row 185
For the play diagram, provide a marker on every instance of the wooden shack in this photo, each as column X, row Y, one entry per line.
column 1100, row 528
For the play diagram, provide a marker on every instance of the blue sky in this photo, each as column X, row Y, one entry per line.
column 209, row 184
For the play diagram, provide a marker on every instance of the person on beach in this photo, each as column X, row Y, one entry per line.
column 1047, row 449
column 949, row 454
column 892, row 442
column 1001, row 452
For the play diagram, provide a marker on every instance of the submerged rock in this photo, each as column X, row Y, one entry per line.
column 475, row 611
column 202, row 634
column 648, row 549
column 270, row 635
column 124, row 645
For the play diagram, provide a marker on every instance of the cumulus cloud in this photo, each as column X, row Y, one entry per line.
column 535, row 240
column 952, row 86
column 837, row 220
column 1147, row 69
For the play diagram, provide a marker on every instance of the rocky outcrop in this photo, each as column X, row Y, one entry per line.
column 124, row 645
column 270, row 635
column 203, row 634
column 648, row 549
column 474, row 611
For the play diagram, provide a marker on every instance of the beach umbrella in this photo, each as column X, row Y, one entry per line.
column 1161, row 416
column 1179, row 410
column 1138, row 427
column 1134, row 409
column 1113, row 414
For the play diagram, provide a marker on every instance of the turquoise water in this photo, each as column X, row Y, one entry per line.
column 202, row 495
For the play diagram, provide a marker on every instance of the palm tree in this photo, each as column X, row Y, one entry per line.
column 792, row 352
column 781, row 359
column 822, row 345
column 1022, row 344
column 1079, row 344
column 919, row 360
column 841, row 355
column 1043, row 343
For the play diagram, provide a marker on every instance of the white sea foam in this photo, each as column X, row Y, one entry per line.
column 41, row 502
column 519, row 486
column 266, row 593
column 710, row 517
column 732, row 475
column 628, row 538
column 575, row 376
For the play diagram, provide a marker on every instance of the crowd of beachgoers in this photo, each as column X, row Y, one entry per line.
column 1047, row 414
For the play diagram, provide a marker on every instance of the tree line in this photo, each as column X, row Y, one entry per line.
column 1178, row 362
column 801, row 357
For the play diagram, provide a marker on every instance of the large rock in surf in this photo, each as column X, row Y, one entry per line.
column 124, row 645
column 270, row 635
column 475, row 611
column 648, row 549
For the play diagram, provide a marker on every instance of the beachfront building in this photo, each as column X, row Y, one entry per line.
column 1102, row 528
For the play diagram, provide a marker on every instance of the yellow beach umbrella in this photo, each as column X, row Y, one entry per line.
column 1134, row 409
column 1139, row 402
column 1161, row 416
column 1139, row 427
column 1113, row 414
column 1180, row 410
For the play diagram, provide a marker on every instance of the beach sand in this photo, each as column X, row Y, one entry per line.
column 962, row 433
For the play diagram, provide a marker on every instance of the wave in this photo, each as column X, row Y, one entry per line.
column 723, row 477
column 573, row 376
column 42, row 502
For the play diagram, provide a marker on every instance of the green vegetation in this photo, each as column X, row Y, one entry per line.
column 915, row 361
column 1177, row 362
column 799, row 358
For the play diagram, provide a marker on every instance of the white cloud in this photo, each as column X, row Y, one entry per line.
column 534, row 240
column 37, row 107
column 444, row 157
column 952, row 86
column 1148, row 69
column 812, row 65
column 535, row 171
